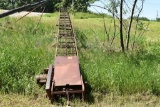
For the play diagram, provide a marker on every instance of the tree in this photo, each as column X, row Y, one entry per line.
column 52, row 5
column 130, row 23
column 121, row 25
column 129, row 9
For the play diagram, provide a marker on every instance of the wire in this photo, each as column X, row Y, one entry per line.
column 9, row 27
column 22, row 8
column 28, row 13
column 39, row 20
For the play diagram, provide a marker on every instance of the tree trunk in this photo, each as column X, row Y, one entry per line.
column 130, row 24
column 121, row 25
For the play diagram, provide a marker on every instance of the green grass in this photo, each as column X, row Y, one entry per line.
column 124, row 74
column 129, row 73
column 25, row 52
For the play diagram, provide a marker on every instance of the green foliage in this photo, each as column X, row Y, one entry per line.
column 52, row 5
column 158, row 19
column 140, row 25
column 112, row 6
column 144, row 18
column 141, row 18
column 81, row 15
column 74, row 5
column 23, row 54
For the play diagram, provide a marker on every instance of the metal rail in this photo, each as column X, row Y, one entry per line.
column 64, row 78
column 25, row 7
column 66, row 39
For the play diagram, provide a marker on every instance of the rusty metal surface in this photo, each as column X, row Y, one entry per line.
column 65, row 77
column 41, row 79
column 70, row 92
column 66, row 39
column 66, row 71
column 49, row 81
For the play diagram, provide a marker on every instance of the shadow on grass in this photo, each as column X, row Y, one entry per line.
column 88, row 96
column 81, row 39
column 82, row 44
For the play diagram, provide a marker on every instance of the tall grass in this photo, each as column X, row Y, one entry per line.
column 122, row 73
column 24, row 53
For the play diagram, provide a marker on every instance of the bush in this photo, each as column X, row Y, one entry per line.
column 158, row 19
column 144, row 19
column 141, row 18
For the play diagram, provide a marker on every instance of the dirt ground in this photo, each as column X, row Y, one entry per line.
column 20, row 14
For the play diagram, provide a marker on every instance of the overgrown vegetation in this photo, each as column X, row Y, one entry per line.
column 24, row 53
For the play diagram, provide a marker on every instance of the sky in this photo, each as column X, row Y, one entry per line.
column 151, row 7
